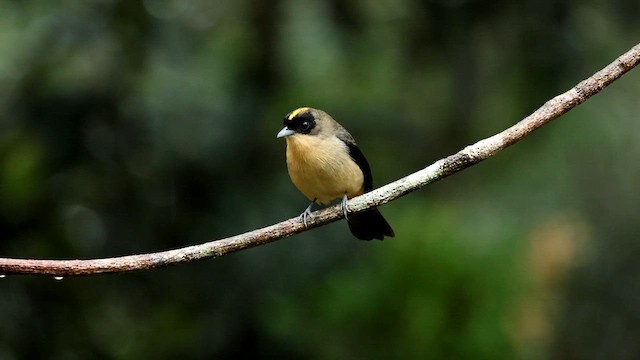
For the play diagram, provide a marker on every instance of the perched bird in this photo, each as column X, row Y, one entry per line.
column 325, row 163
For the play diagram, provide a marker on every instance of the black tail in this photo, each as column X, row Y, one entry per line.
column 369, row 225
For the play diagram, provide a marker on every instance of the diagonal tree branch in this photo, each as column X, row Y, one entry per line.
column 467, row 157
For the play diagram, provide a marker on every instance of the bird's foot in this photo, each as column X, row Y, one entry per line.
column 345, row 208
column 306, row 214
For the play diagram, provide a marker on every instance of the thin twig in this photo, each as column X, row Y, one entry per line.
column 469, row 156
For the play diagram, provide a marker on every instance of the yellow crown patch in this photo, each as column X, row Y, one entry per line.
column 297, row 111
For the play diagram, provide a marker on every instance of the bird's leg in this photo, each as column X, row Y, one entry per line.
column 306, row 214
column 345, row 208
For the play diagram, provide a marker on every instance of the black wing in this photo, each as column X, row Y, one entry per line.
column 361, row 161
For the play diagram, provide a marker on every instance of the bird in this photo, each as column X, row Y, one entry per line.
column 325, row 163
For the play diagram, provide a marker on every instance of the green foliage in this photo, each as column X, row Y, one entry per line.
column 436, row 294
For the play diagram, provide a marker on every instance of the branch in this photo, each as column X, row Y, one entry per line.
column 467, row 157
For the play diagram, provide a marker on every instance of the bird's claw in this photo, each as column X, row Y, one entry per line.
column 306, row 214
column 345, row 208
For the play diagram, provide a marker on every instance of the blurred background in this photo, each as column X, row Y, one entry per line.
column 139, row 126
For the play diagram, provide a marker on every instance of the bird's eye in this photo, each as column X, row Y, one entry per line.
column 305, row 126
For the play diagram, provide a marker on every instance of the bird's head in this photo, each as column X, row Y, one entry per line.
column 302, row 121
